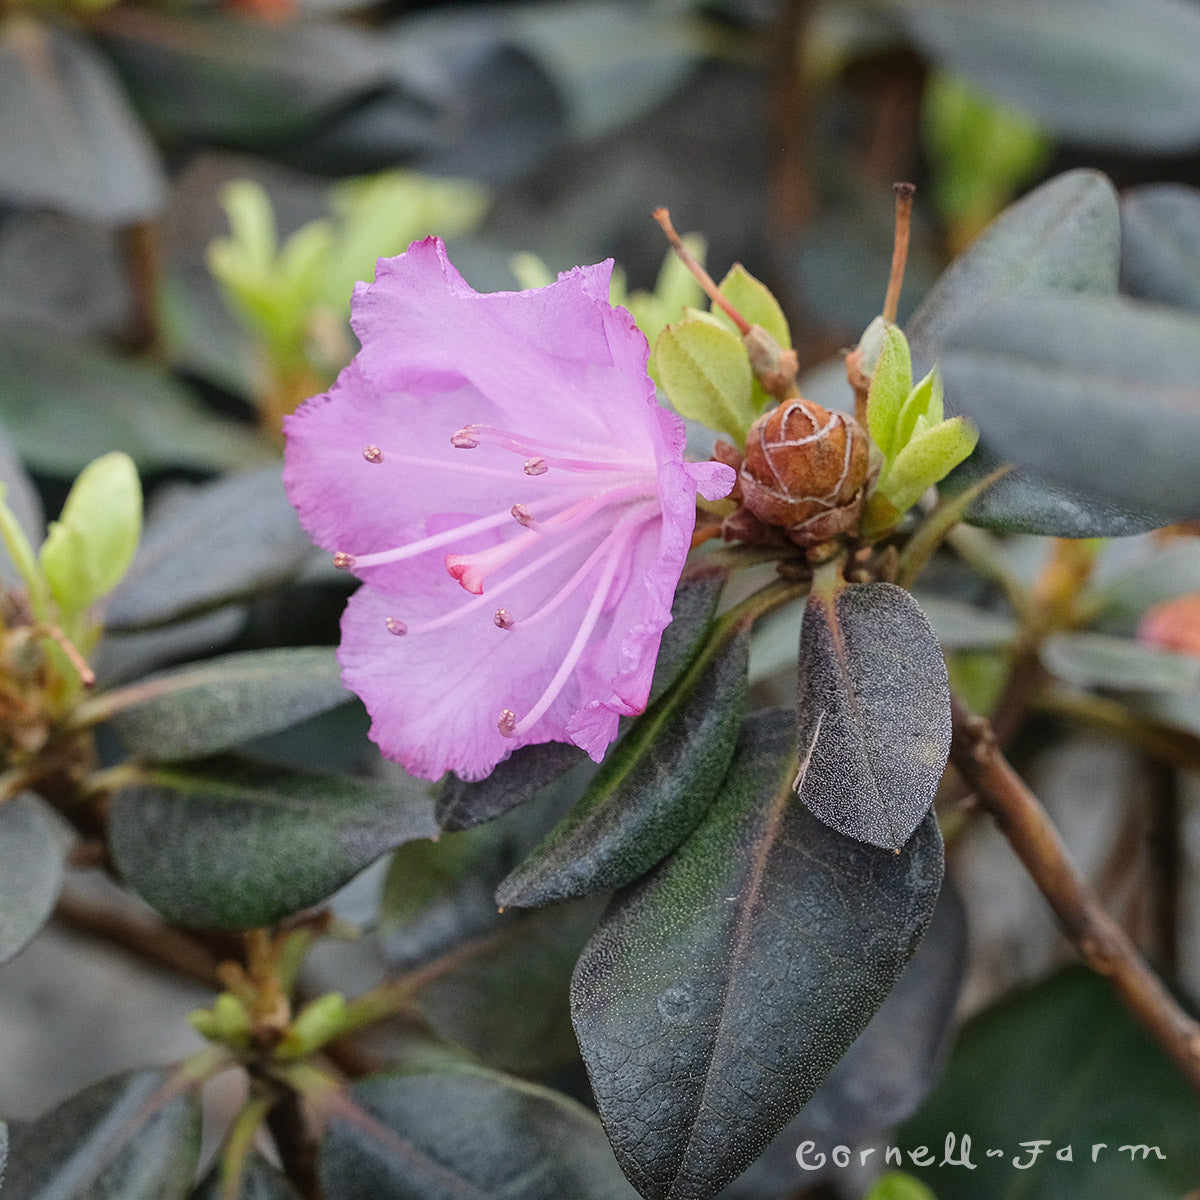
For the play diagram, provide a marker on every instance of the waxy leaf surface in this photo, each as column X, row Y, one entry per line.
column 1160, row 244
column 115, row 403
column 69, row 140
column 134, row 1136
column 886, row 1074
column 873, row 708
column 651, row 791
column 1062, row 1062
column 241, row 528
column 231, row 845
column 31, row 872
column 468, row 1135
column 209, row 707
column 1097, row 393
column 1099, row 72
column 719, row 991
column 1063, row 237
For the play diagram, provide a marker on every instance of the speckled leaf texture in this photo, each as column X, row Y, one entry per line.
column 873, row 710
column 719, row 991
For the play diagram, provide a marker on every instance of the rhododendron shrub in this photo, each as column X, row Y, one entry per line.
column 732, row 918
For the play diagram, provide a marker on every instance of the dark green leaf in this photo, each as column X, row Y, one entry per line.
column 231, row 845
column 235, row 80
column 611, row 61
column 212, row 706
column 463, row 805
column 68, row 140
column 130, row 1137
column 1102, row 72
column 1095, row 660
column 507, row 1001
column 692, row 613
column 1160, row 244
column 1022, row 502
column 1035, row 373
column 241, row 528
column 1066, row 1063
column 887, row 1072
column 470, row 1135
column 719, row 991
column 1062, row 237
column 651, row 791
column 873, row 709
column 439, row 894
column 31, row 872
column 962, row 626
column 114, row 404
column 259, row 1181
column 121, row 657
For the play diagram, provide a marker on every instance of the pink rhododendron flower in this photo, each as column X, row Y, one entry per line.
column 496, row 470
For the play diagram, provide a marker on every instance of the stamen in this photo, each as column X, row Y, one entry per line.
column 449, row 463
column 531, row 568
column 522, row 515
column 395, row 627
column 583, row 634
column 619, row 534
column 503, row 619
column 507, row 722
column 343, row 561
column 373, row 454
column 412, row 549
column 542, row 454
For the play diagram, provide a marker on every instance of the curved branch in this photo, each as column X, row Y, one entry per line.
column 1100, row 941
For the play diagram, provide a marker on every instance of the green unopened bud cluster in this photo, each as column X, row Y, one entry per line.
column 908, row 425
column 229, row 1022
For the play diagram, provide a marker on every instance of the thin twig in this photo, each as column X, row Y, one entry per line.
column 703, row 278
column 141, row 246
column 904, row 202
column 1165, row 859
column 149, row 940
column 1099, row 939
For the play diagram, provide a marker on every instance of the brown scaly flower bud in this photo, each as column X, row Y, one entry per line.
column 805, row 470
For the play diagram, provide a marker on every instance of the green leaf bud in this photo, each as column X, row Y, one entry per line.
column 891, row 383
column 705, row 371
column 227, row 1022
column 318, row 1022
column 89, row 548
column 927, row 460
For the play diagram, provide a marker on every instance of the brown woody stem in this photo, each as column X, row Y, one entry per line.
column 904, row 202
column 1100, row 941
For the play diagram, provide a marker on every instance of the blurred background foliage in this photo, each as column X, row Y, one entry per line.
column 189, row 190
